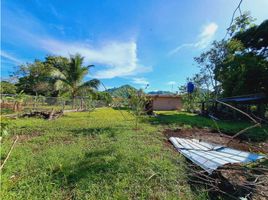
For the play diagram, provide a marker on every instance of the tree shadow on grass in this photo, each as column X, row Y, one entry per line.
column 121, row 108
column 94, row 131
column 97, row 167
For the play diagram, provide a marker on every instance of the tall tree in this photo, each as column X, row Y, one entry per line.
column 35, row 78
column 255, row 38
column 244, row 69
column 238, row 65
column 72, row 72
column 208, row 62
column 191, row 102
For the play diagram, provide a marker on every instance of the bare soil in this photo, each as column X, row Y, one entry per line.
column 27, row 137
column 217, row 138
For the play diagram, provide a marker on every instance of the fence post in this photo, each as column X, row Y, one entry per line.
column 63, row 105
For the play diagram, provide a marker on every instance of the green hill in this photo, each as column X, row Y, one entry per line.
column 122, row 91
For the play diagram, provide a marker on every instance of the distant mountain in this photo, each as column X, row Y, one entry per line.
column 160, row 92
column 122, row 91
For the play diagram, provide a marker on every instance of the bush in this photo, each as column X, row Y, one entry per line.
column 5, row 126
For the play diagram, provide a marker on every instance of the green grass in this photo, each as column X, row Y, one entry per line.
column 6, row 111
column 100, row 155
column 94, row 155
column 193, row 120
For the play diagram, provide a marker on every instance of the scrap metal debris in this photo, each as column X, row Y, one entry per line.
column 211, row 156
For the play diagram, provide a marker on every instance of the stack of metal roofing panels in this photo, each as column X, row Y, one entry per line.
column 211, row 156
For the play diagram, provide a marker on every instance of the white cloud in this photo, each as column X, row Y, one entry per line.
column 171, row 83
column 115, row 58
column 120, row 58
column 53, row 10
column 204, row 38
column 10, row 57
column 140, row 81
column 207, row 35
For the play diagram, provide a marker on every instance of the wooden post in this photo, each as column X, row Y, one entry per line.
column 63, row 105
column 51, row 114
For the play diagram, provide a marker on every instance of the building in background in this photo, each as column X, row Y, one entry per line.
column 165, row 102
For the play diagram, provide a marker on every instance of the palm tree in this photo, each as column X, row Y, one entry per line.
column 72, row 73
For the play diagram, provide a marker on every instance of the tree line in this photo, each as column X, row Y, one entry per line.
column 56, row 76
column 236, row 65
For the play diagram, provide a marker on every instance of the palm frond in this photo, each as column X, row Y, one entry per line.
column 63, row 79
column 90, row 66
column 72, row 72
column 94, row 83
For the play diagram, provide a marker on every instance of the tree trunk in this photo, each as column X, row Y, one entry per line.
column 35, row 99
column 15, row 106
column 63, row 105
column 136, row 123
column 72, row 102
column 73, row 98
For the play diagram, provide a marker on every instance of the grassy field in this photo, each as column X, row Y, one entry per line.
column 94, row 155
column 100, row 155
column 174, row 118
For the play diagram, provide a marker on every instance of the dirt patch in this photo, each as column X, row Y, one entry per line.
column 222, row 139
column 27, row 137
column 231, row 181
column 62, row 139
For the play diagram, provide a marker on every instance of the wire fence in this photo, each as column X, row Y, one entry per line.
column 21, row 103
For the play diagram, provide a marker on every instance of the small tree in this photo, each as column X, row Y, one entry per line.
column 137, row 103
column 90, row 105
column 191, row 102
column 7, row 87
column 104, row 96
column 19, row 99
column 5, row 126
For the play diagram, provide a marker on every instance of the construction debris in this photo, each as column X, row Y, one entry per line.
column 210, row 156
column 49, row 115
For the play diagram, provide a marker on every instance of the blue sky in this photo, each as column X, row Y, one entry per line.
column 130, row 42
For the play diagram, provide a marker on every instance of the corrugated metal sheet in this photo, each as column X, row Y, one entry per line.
column 211, row 156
